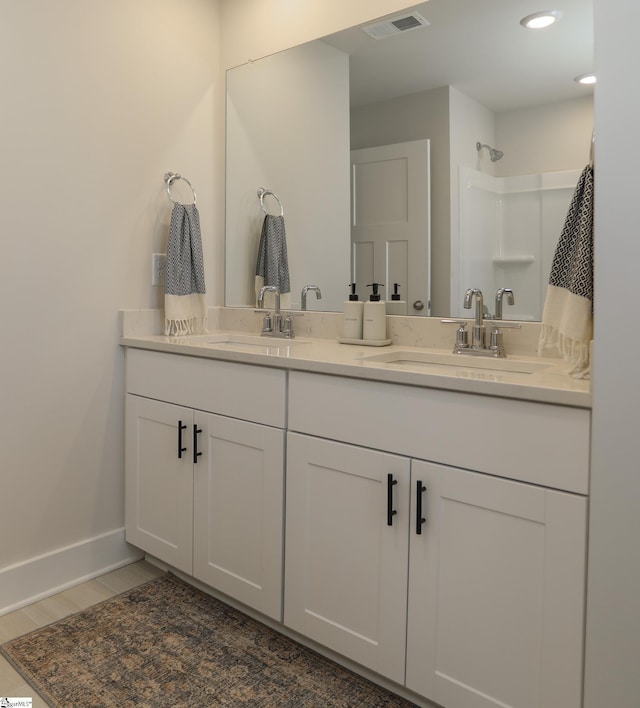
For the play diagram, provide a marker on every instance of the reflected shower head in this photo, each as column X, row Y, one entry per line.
column 494, row 154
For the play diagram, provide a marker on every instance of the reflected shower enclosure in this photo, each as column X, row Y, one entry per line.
column 509, row 229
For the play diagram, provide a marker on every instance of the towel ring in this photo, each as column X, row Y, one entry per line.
column 262, row 193
column 169, row 178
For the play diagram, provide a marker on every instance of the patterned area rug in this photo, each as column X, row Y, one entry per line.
column 166, row 643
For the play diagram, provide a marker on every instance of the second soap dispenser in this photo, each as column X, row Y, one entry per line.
column 374, row 320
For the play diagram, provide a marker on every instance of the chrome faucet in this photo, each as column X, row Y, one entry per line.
column 276, row 292
column 478, row 332
column 276, row 327
column 478, row 346
column 499, row 296
column 303, row 297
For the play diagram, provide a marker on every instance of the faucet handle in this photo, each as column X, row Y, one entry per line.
column 266, row 323
column 500, row 324
column 495, row 339
column 462, row 339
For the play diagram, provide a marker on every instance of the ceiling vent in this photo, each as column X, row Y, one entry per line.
column 395, row 25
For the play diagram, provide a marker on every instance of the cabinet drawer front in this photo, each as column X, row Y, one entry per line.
column 531, row 442
column 252, row 393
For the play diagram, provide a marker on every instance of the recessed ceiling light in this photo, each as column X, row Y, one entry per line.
column 539, row 20
column 585, row 79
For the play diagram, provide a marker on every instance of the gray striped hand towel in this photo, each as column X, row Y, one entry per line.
column 273, row 264
column 185, row 306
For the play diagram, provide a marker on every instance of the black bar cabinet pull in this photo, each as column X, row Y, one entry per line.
column 420, row 489
column 196, row 454
column 391, row 512
column 181, row 449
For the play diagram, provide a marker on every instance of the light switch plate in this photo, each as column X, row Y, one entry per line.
column 158, row 269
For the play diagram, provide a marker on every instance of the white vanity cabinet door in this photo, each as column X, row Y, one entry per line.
column 496, row 592
column 238, row 511
column 159, row 483
column 217, row 514
column 345, row 567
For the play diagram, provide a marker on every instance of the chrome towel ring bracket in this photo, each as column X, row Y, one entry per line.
column 170, row 178
column 262, row 193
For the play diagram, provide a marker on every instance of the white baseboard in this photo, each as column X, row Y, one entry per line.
column 36, row 578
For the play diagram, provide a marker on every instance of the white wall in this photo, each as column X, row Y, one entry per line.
column 100, row 99
column 412, row 117
column 255, row 28
column 310, row 176
column 548, row 138
column 613, row 600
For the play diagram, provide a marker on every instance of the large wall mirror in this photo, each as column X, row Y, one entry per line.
column 463, row 75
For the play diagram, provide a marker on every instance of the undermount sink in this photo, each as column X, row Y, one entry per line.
column 458, row 362
column 254, row 343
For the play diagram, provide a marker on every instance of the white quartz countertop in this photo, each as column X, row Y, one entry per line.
column 327, row 356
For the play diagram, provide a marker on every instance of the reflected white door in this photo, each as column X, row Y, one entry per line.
column 390, row 222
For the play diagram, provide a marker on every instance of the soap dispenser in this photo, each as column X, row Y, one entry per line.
column 396, row 306
column 352, row 315
column 374, row 322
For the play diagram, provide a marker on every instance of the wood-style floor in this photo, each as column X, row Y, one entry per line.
column 61, row 605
